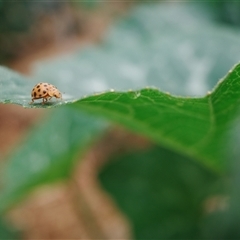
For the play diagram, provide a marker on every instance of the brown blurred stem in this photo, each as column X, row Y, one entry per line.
column 84, row 212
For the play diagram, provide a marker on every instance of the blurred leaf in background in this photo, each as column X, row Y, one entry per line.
column 223, row 223
column 90, row 4
column 27, row 26
column 6, row 231
column 48, row 154
column 160, row 191
column 183, row 55
column 227, row 12
column 176, row 47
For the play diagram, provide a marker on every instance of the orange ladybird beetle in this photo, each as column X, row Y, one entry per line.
column 45, row 91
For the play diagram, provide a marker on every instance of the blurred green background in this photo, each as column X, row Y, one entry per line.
column 125, row 186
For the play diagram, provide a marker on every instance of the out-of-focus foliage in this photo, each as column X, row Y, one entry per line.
column 25, row 25
column 227, row 12
column 162, row 193
column 151, row 47
column 48, row 154
column 92, row 4
column 6, row 231
column 19, row 16
column 223, row 223
column 178, row 48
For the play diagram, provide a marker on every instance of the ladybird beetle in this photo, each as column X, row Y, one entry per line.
column 45, row 91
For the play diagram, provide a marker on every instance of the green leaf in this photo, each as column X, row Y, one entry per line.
column 48, row 154
column 161, row 192
column 194, row 126
column 223, row 222
column 7, row 232
column 16, row 89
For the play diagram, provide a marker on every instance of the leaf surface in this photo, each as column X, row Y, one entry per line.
column 194, row 126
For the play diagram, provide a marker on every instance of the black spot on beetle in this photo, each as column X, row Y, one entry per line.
column 40, row 95
column 38, row 86
column 45, row 85
column 44, row 92
column 39, row 90
column 35, row 94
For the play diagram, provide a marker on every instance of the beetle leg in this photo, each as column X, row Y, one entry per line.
column 44, row 100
